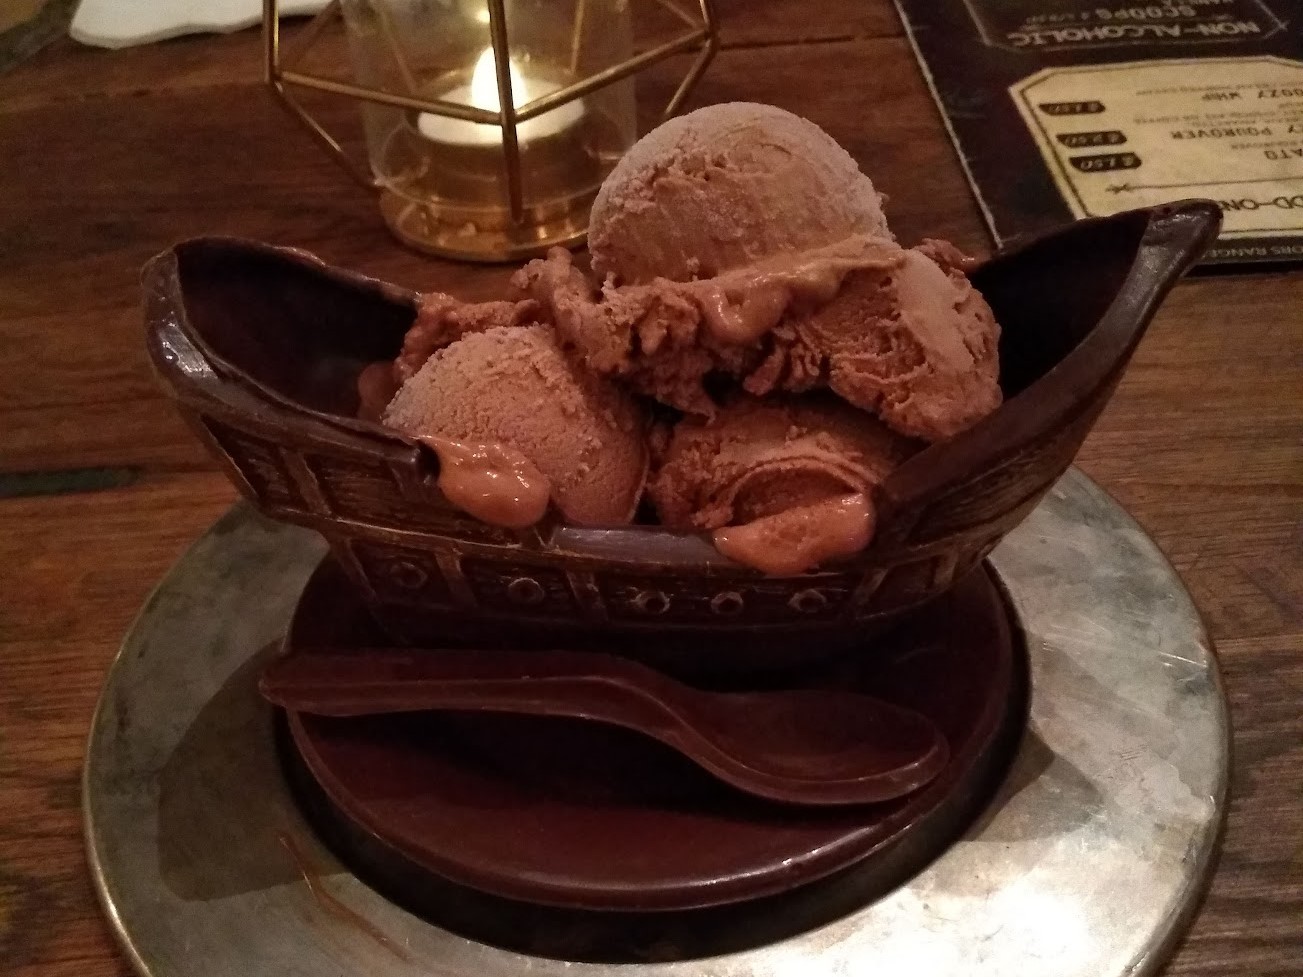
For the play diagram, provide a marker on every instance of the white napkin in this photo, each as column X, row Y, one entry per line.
column 122, row 23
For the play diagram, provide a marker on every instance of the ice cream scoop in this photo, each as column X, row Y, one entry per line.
column 509, row 394
column 915, row 343
column 785, row 483
column 723, row 187
column 889, row 329
column 440, row 320
column 665, row 338
column 757, row 458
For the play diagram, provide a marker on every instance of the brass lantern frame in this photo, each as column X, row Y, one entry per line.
column 279, row 73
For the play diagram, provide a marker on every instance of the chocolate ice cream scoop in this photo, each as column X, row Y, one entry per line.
column 666, row 338
column 759, row 458
column 723, row 187
column 786, row 483
column 440, row 321
column 916, row 344
column 887, row 328
column 493, row 401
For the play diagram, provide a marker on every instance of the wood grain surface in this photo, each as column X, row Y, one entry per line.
column 108, row 157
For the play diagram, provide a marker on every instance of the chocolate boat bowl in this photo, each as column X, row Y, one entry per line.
column 261, row 348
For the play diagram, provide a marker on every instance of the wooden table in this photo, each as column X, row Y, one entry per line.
column 107, row 157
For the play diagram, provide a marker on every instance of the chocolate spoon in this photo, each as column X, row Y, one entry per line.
column 803, row 746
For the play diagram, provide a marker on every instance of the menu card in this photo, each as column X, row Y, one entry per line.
column 1063, row 109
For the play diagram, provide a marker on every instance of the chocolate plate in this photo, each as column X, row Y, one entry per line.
column 581, row 814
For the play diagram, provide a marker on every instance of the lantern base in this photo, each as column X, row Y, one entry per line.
column 485, row 236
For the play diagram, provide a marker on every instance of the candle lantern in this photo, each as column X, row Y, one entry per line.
column 489, row 124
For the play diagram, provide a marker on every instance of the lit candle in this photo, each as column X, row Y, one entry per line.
column 482, row 93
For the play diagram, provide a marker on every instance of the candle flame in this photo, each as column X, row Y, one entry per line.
column 484, row 83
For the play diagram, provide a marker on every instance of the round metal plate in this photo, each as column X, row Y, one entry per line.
column 1088, row 861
